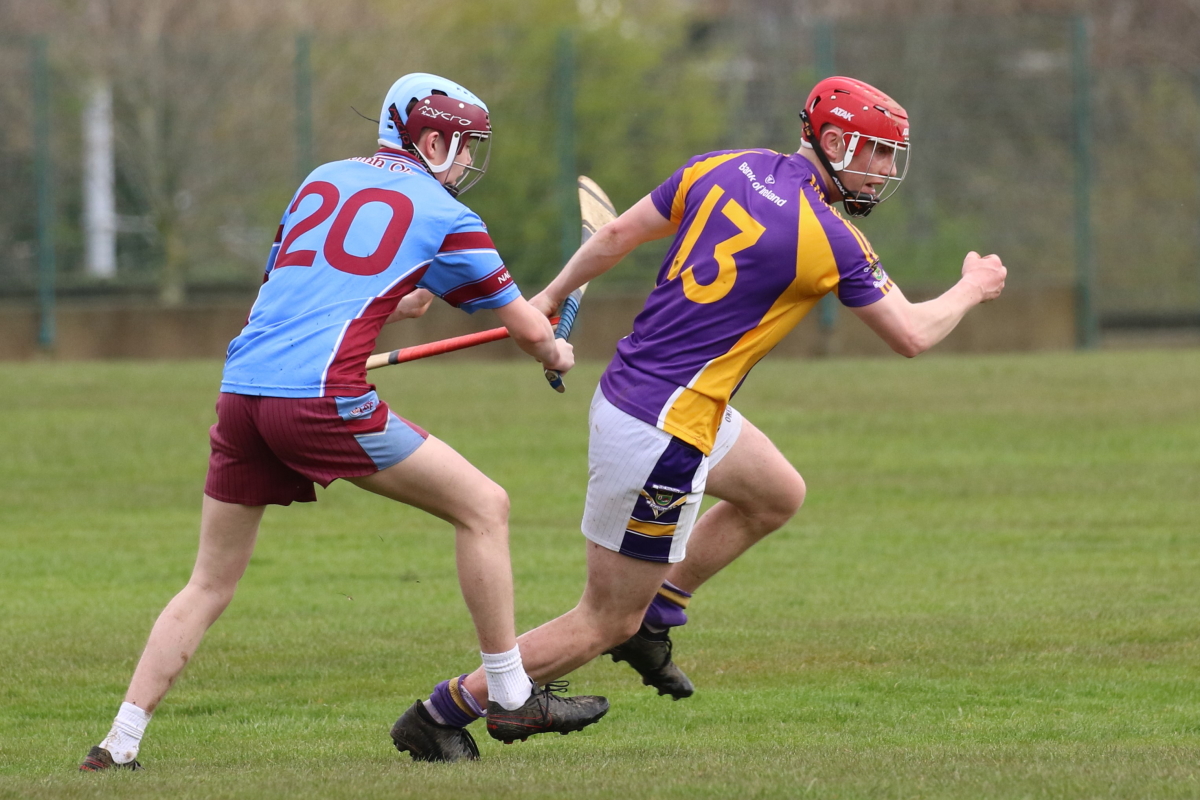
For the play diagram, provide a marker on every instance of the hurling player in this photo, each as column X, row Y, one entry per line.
column 364, row 242
column 756, row 243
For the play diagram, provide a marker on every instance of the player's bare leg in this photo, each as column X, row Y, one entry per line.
column 618, row 590
column 616, row 595
column 759, row 492
column 438, row 480
column 227, row 536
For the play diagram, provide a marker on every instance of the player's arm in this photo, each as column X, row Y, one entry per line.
column 641, row 223
column 411, row 306
column 532, row 332
column 912, row 328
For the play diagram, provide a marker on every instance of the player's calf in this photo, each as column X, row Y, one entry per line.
column 649, row 650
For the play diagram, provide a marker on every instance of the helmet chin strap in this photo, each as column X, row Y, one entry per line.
column 438, row 169
column 857, row 204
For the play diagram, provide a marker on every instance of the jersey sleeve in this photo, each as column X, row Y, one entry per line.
column 861, row 278
column 467, row 271
column 670, row 196
column 664, row 195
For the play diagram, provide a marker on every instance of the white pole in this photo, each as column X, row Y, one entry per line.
column 99, row 201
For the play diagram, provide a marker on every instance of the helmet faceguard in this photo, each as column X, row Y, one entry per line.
column 419, row 101
column 868, row 118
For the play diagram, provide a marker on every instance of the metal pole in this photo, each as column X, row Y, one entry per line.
column 564, row 113
column 45, row 191
column 824, row 44
column 1087, row 328
column 304, row 131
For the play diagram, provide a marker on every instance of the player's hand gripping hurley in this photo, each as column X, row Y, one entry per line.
column 596, row 211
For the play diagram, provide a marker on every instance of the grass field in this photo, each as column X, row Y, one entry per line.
column 993, row 590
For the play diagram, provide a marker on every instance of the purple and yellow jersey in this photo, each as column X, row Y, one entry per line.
column 757, row 247
column 358, row 236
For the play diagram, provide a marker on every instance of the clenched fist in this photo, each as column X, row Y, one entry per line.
column 985, row 272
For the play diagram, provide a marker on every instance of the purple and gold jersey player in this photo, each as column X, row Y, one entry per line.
column 756, row 242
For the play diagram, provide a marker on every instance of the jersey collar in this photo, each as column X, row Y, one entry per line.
column 400, row 155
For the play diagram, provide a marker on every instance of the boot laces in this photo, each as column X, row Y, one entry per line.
column 549, row 694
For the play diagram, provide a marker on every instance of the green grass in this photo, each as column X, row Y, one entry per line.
column 993, row 590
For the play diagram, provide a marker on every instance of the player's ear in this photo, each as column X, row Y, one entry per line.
column 831, row 142
column 427, row 143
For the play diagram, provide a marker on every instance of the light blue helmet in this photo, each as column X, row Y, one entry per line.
column 420, row 100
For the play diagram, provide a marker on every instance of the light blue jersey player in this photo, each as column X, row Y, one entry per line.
column 364, row 242
column 358, row 236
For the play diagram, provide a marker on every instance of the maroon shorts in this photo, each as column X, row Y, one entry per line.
column 271, row 450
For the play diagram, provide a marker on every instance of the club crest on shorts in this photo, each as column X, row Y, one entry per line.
column 663, row 500
column 366, row 409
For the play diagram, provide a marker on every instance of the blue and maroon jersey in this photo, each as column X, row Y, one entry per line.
column 359, row 235
column 757, row 246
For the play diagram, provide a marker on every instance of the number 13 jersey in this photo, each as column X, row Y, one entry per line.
column 358, row 236
column 757, row 247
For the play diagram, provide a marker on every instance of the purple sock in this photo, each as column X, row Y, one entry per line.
column 448, row 710
column 665, row 613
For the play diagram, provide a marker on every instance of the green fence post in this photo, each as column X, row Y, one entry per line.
column 564, row 116
column 823, row 44
column 304, row 131
column 1087, row 327
column 40, row 69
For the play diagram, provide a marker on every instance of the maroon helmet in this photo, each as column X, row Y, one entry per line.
column 418, row 101
column 867, row 118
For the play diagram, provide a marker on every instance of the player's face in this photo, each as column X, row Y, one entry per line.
column 462, row 160
column 874, row 162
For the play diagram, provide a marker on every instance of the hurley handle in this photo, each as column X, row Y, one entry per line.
column 562, row 330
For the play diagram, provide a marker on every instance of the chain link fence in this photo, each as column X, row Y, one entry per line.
column 1095, row 189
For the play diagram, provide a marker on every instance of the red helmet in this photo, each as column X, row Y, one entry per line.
column 864, row 114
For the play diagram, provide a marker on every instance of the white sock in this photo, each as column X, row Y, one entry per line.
column 508, row 684
column 125, row 738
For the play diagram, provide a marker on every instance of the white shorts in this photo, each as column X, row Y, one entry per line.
column 644, row 485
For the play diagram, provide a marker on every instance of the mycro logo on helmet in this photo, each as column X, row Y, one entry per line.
column 838, row 111
column 453, row 119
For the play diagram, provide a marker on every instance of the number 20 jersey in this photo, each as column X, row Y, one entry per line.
column 358, row 236
column 757, row 247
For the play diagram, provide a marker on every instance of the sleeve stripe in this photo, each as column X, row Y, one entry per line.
column 477, row 290
column 471, row 240
column 863, row 244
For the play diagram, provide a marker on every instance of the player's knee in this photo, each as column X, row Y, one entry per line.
column 212, row 593
column 627, row 626
column 781, row 505
column 791, row 498
column 611, row 623
column 489, row 509
column 613, row 629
